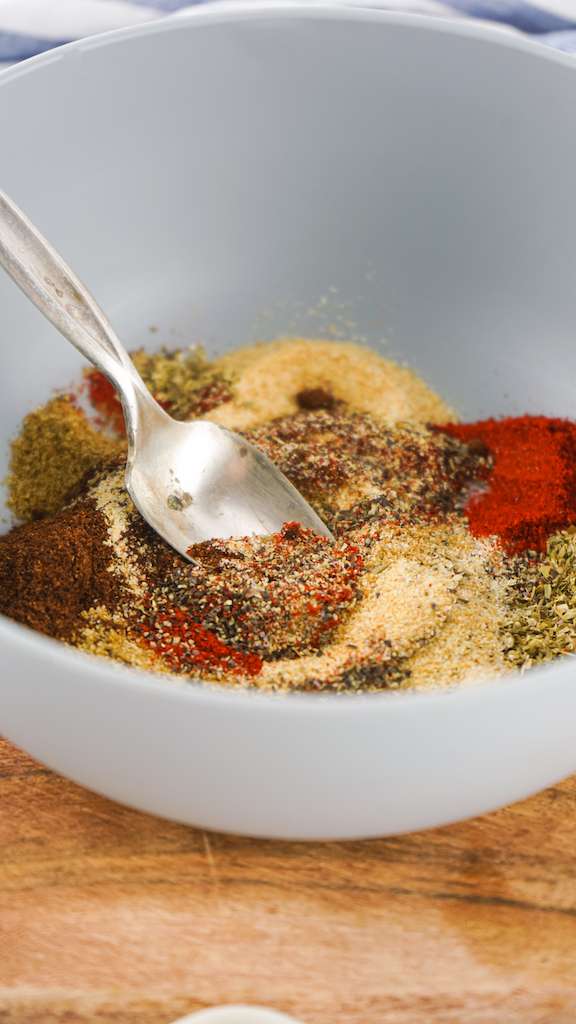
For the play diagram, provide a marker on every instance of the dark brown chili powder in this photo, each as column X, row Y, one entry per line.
column 52, row 571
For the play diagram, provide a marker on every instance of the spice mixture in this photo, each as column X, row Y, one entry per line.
column 455, row 552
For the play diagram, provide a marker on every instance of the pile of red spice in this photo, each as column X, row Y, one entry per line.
column 530, row 491
column 185, row 645
column 103, row 397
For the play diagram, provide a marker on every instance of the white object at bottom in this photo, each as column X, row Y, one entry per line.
column 237, row 1015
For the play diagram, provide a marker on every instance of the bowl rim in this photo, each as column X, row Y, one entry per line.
column 22, row 639
column 234, row 11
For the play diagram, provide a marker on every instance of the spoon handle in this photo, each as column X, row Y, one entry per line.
column 47, row 280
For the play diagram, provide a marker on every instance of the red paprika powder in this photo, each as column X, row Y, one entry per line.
column 531, row 487
column 103, row 396
column 185, row 644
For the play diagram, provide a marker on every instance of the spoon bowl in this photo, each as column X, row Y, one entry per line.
column 190, row 481
column 196, row 481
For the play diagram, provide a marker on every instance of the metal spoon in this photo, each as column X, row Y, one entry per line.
column 191, row 481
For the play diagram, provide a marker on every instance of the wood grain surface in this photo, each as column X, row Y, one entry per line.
column 108, row 916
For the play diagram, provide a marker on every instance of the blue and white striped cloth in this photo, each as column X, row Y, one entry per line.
column 28, row 27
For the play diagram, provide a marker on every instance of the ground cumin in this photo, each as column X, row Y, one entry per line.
column 55, row 449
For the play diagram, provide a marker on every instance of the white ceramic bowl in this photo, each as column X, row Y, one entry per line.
column 242, row 172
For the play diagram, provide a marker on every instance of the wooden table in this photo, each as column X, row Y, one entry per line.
column 108, row 916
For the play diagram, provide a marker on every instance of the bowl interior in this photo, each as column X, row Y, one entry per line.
column 243, row 173
column 225, row 178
